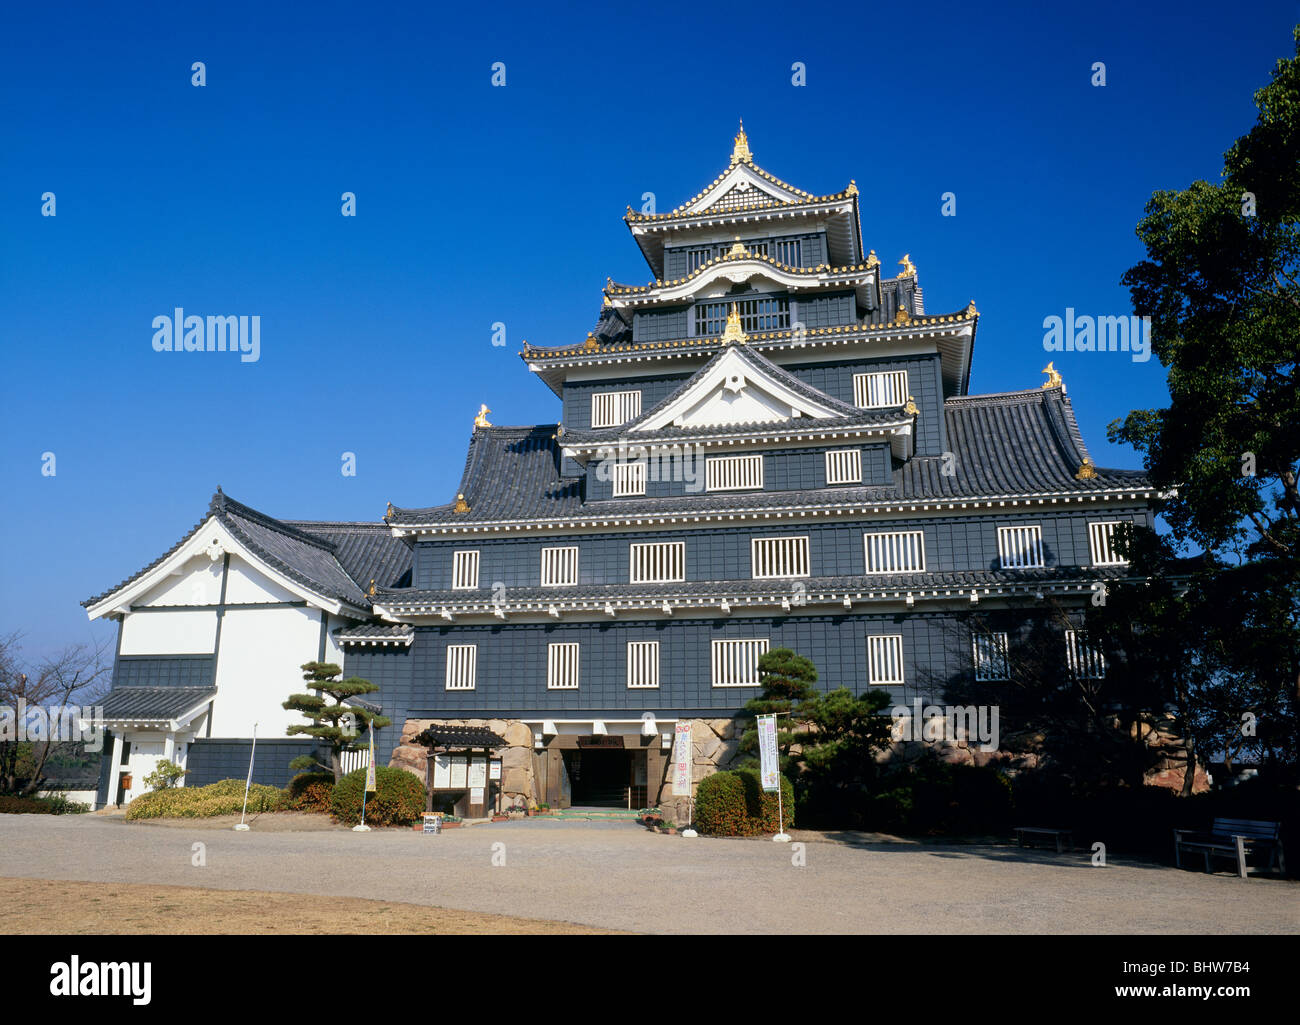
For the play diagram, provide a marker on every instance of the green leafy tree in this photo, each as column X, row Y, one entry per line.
column 788, row 683
column 1221, row 284
column 336, row 723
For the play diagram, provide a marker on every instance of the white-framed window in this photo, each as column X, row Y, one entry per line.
column 885, row 659
column 895, row 551
column 733, row 473
column 1085, row 660
column 560, row 566
column 844, row 466
column 779, row 557
column 642, row 664
column 735, row 663
column 464, row 570
column 656, row 562
column 611, row 408
column 990, row 653
column 462, row 666
column 629, row 478
column 1020, row 547
column 562, row 666
column 881, row 388
column 1100, row 539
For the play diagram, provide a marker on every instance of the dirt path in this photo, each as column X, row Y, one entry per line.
column 55, row 906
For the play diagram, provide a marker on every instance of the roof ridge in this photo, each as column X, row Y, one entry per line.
column 249, row 513
column 1023, row 393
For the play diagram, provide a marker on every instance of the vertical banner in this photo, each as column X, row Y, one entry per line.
column 370, row 768
column 682, row 759
column 771, row 764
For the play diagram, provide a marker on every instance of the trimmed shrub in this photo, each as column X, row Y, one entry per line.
column 12, row 804
column 399, row 800
column 310, row 791
column 225, row 797
column 720, row 805
column 761, row 806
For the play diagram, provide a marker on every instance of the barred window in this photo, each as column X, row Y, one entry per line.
column 629, row 479
column 657, row 562
column 1084, row 659
column 991, row 662
column 642, row 664
column 462, row 666
column 789, row 252
column 735, row 663
column 885, row 659
column 844, row 466
column 779, row 557
column 1020, row 547
column 697, row 258
column 895, row 551
column 1101, row 538
column 733, row 473
column 560, row 566
column 880, row 389
column 464, row 570
column 611, row 408
column 562, row 666
column 770, row 314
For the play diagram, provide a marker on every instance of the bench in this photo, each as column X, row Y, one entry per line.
column 1233, row 838
column 1059, row 835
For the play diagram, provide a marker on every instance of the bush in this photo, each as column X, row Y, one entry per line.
column 165, row 775
column 932, row 797
column 225, row 797
column 310, row 791
column 399, row 800
column 734, row 804
column 12, row 804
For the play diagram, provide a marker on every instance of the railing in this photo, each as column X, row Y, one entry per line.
column 353, row 760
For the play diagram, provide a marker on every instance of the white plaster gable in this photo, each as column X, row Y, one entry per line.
column 734, row 391
column 743, row 177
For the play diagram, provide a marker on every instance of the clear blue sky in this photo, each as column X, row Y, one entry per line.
column 479, row 204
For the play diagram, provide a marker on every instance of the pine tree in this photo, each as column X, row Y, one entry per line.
column 337, row 724
column 788, row 681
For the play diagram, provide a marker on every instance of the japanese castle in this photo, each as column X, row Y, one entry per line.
column 768, row 444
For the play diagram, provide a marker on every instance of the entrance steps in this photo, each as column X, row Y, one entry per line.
column 627, row 814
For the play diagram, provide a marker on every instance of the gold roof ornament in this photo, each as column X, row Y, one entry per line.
column 908, row 266
column 1086, row 470
column 738, row 248
column 389, row 515
column 902, row 316
column 1054, row 379
column 481, row 419
column 371, row 592
column 852, row 190
column 872, row 259
column 740, row 153
column 590, row 343
column 970, row 309
column 461, row 505
column 910, row 409
column 733, row 333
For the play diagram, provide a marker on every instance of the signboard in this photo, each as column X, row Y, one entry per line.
column 477, row 778
column 442, row 772
column 771, row 764
column 432, row 822
column 494, row 769
column 459, row 770
column 595, row 741
column 682, row 760
column 476, row 795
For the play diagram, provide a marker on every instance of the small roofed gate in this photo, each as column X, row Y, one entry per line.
column 460, row 761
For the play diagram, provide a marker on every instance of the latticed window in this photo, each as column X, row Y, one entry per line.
column 991, row 662
column 642, row 664
column 789, row 252
column 629, row 479
column 735, row 663
column 895, row 551
column 733, row 473
column 844, row 466
column 562, row 666
column 657, row 562
column 779, row 557
column 1020, row 547
column 885, row 659
column 1084, row 659
column 770, row 314
column 611, row 408
column 464, row 570
column 697, row 258
column 1101, row 538
column 879, row 389
column 462, row 666
column 559, row 567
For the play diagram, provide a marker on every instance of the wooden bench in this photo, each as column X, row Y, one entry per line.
column 1233, row 838
column 1060, row 835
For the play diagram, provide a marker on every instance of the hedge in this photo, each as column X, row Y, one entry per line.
column 399, row 800
column 734, row 804
column 310, row 791
column 225, row 797
column 12, row 804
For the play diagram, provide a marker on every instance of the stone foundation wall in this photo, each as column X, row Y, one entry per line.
column 518, row 782
column 713, row 743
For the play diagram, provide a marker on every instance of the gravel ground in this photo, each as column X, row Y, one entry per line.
column 620, row 876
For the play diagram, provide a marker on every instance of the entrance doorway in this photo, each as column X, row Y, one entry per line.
column 601, row 778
